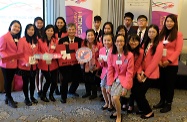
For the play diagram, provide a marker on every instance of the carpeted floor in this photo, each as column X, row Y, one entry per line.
column 84, row 110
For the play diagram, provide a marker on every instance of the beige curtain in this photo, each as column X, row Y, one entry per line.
column 116, row 12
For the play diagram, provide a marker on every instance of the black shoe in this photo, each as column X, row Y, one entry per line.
column 51, row 97
column 44, row 98
column 161, row 104
column 104, row 108
column 86, row 95
column 166, row 109
column 145, row 117
column 12, row 104
column 130, row 111
column 57, row 92
column 63, row 100
column 92, row 97
column 34, row 100
column 112, row 116
column 6, row 101
column 110, row 109
column 27, row 102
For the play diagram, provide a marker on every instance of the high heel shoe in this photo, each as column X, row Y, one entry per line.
column 51, row 97
column 34, row 100
column 44, row 98
column 27, row 102
column 161, row 104
column 112, row 116
column 12, row 104
column 6, row 101
column 145, row 117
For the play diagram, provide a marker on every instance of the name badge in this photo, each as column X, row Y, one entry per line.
column 119, row 62
column 105, row 58
column 48, row 61
column 32, row 60
column 164, row 52
column 53, row 47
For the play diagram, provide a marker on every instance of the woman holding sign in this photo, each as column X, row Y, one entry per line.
column 8, row 47
column 120, row 73
column 27, row 64
column 47, row 64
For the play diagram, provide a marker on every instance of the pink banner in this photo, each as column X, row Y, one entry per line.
column 78, row 13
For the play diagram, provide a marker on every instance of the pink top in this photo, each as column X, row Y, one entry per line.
column 174, row 49
column 29, row 51
column 104, row 65
column 150, row 62
column 43, row 48
column 8, row 47
column 122, row 71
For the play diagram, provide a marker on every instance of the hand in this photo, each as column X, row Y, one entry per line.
column 100, row 60
column 160, row 64
column 66, row 43
column 165, row 63
column 27, row 64
column 124, row 93
column 81, row 63
column 139, row 77
column 36, row 62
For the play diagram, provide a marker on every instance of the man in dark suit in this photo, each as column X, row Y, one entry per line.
column 97, row 23
column 142, row 30
column 128, row 23
column 71, row 72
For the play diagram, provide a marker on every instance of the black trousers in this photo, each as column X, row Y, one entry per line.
column 28, row 77
column 51, row 79
column 90, row 83
column 8, row 75
column 70, row 73
column 140, row 97
column 167, row 80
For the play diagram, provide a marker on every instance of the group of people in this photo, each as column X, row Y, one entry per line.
column 123, row 63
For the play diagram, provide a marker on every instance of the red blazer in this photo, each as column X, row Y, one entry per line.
column 8, row 47
column 43, row 48
column 150, row 62
column 174, row 49
column 62, row 36
column 124, row 72
column 138, row 61
column 104, row 65
column 28, row 50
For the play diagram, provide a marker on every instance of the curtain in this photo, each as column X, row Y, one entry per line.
column 54, row 9
column 116, row 12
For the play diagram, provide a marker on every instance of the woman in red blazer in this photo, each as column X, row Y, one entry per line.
column 48, row 67
column 149, row 70
column 120, row 73
column 173, row 43
column 92, row 66
column 103, row 55
column 39, row 27
column 8, row 46
column 27, row 64
column 135, row 47
column 60, row 28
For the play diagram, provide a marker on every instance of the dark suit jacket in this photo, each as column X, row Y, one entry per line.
column 145, row 36
column 99, row 35
column 131, row 31
column 66, row 39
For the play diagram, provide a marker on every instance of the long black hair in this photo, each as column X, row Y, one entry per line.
column 114, row 50
column 18, row 35
column 39, row 32
column 134, row 37
column 46, row 28
column 156, row 40
column 86, row 41
column 173, row 34
column 28, row 38
column 122, row 27
column 63, row 30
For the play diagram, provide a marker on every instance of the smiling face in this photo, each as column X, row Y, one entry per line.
column 71, row 31
column 90, row 36
column 120, row 42
column 133, row 43
column 30, row 31
column 49, row 32
column 169, row 23
column 60, row 24
column 107, row 29
column 107, row 41
column 39, row 24
column 15, row 28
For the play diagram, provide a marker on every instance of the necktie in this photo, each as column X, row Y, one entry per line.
column 119, row 57
column 140, row 34
column 96, row 35
column 71, row 41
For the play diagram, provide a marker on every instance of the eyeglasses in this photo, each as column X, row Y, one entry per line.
column 142, row 20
